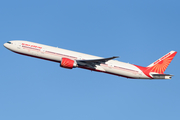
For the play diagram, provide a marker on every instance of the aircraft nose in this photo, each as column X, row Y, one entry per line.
column 5, row 45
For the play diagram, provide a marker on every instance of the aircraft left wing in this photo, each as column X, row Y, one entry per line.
column 92, row 62
column 98, row 60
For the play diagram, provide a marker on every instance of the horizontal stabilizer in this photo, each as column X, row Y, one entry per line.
column 161, row 76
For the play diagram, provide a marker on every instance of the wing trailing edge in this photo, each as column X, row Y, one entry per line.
column 98, row 60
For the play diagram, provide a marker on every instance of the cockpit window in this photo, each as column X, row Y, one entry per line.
column 9, row 42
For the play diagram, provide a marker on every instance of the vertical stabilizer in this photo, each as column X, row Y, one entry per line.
column 161, row 64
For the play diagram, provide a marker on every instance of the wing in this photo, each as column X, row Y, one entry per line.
column 93, row 62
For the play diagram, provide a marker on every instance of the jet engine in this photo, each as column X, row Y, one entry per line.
column 68, row 63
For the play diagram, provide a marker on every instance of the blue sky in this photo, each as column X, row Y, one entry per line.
column 138, row 31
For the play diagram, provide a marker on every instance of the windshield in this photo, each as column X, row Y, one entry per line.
column 9, row 42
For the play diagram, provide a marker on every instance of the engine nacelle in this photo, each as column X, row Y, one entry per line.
column 68, row 63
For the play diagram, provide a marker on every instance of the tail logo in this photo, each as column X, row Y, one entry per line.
column 161, row 64
column 160, row 60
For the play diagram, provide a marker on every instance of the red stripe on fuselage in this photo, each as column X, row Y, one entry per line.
column 104, row 72
column 36, row 56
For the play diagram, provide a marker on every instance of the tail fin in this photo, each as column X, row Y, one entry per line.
column 161, row 64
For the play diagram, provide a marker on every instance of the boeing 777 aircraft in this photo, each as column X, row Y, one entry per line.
column 70, row 59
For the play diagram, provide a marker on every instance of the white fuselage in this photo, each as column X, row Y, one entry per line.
column 56, row 54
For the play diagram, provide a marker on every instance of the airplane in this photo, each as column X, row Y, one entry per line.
column 71, row 59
